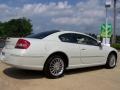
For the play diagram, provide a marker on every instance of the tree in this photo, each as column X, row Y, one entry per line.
column 1, row 29
column 118, row 39
column 16, row 28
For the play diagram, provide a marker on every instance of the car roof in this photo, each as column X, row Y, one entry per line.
column 62, row 32
column 55, row 35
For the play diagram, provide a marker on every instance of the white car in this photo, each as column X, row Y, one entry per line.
column 55, row 51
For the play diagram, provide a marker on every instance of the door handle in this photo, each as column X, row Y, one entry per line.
column 83, row 49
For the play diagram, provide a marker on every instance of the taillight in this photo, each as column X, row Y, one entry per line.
column 22, row 44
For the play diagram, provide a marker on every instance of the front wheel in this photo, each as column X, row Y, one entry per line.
column 54, row 67
column 111, row 61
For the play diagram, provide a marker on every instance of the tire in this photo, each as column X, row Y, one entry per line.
column 54, row 67
column 111, row 61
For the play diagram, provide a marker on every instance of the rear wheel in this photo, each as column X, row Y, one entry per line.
column 111, row 62
column 54, row 67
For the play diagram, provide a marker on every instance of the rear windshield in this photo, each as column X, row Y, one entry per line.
column 42, row 34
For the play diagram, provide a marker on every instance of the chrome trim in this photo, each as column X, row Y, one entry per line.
column 24, row 56
column 90, row 56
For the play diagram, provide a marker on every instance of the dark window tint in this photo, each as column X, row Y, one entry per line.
column 78, row 38
column 68, row 37
column 83, row 39
column 91, row 41
column 42, row 34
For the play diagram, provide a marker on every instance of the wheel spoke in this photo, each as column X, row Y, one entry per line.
column 112, row 61
column 56, row 66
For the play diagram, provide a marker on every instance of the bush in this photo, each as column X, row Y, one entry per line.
column 117, row 46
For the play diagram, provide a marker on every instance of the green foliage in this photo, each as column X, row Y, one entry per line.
column 117, row 46
column 16, row 28
column 117, row 39
column 1, row 29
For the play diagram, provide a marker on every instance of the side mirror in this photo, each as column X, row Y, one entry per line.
column 99, row 44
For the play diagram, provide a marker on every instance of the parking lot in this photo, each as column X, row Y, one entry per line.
column 95, row 78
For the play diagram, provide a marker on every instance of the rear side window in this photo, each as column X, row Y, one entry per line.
column 42, row 34
column 68, row 37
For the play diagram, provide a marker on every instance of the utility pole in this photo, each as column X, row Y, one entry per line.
column 114, row 22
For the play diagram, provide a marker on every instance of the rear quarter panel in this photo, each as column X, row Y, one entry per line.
column 37, row 47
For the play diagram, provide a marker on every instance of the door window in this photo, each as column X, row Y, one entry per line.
column 78, row 39
column 84, row 39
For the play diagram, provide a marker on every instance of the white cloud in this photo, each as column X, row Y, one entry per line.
column 63, row 5
column 81, row 14
column 60, row 10
column 34, row 8
column 84, row 14
column 66, row 20
column 46, row 9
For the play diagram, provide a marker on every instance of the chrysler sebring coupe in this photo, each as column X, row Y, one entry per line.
column 55, row 51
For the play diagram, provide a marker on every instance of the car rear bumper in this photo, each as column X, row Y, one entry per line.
column 23, row 62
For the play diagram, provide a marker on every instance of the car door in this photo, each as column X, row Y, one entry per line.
column 71, row 48
column 90, row 51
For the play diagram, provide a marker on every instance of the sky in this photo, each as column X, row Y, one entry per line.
column 77, row 15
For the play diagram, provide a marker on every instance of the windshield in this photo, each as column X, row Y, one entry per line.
column 42, row 34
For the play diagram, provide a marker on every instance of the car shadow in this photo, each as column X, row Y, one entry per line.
column 83, row 70
column 23, row 74
column 31, row 74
